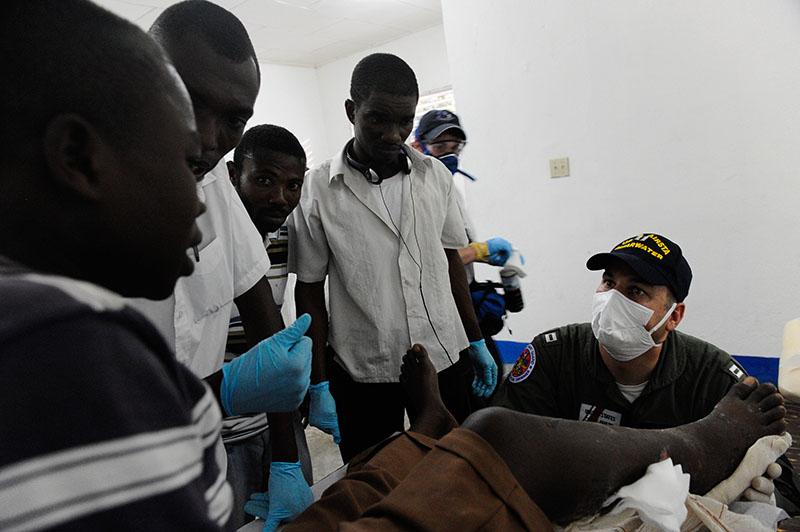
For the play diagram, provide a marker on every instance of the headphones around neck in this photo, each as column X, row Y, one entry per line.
column 368, row 173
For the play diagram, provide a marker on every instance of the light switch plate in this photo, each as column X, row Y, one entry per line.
column 559, row 167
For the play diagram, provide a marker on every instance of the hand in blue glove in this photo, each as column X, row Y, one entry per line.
column 273, row 376
column 287, row 497
column 499, row 250
column 322, row 410
column 485, row 369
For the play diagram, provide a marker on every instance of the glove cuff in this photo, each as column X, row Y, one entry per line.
column 322, row 386
column 478, row 343
column 226, row 389
column 481, row 250
column 285, row 465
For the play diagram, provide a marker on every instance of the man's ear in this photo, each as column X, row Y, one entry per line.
column 350, row 109
column 417, row 146
column 675, row 318
column 73, row 152
column 233, row 172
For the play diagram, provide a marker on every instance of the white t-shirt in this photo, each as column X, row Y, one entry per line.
column 389, row 193
column 631, row 392
column 194, row 320
column 341, row 230
column 277, row 246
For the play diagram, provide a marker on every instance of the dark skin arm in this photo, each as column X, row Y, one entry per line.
column 261, row 319
column 261, row 316
column 461, row 295
column 310, row 298
column 468, row 255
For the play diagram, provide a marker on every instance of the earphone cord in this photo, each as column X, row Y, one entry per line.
column 419, row 264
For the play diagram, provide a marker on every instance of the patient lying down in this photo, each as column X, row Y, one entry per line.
column 505, row 470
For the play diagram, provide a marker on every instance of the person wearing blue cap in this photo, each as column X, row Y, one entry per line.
column 440, row 135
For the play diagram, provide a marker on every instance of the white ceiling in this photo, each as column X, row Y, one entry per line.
column 308, row 32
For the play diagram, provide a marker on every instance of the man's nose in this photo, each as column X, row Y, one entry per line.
column 208, row 128
column 393, row 135
column 278, row 197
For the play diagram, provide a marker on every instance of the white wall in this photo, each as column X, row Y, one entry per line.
column 424, row 51
column 290, row 97
column 679, row 117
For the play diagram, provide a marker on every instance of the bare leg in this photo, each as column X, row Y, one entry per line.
column 569, row 468
column 426, row 411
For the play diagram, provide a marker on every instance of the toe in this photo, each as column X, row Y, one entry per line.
column 744, row 388
column 770, row 402
column 774, row 414
column 762, row 391
column 777, row 427
column 420, row 351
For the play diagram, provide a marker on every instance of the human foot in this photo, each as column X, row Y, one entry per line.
column 748, row 412
column 426, row 411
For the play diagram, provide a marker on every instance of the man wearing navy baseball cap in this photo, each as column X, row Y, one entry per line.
column 629, row 366
column 440, row 135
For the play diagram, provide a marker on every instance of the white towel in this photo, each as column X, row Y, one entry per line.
column 658, row 497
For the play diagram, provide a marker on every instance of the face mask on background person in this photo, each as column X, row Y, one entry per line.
column 619, row 325
column 450, row 160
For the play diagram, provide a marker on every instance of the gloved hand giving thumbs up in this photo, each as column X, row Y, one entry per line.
column 273, row 376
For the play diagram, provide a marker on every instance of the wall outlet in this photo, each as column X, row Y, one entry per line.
column 559, row 167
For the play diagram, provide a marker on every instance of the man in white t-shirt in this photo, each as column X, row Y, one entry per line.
column 214, row 57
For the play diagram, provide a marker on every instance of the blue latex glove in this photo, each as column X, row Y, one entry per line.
column 322, row 410
column 485, row 369
column 499, row 250
column 287, row 497
column 273, row 376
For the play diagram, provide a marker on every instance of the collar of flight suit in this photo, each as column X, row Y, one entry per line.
column 671, row 363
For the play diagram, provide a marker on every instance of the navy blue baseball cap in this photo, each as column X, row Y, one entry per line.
column 434, row 123
column 655, row 258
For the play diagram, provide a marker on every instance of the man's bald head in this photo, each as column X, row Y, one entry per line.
column 216, row 26
column 213, row 54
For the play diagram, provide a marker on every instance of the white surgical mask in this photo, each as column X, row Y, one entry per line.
column 619, row 325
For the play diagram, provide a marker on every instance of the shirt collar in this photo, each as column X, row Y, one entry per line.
column 670, row 365
column 340, row 168
column 95, row 296
column 221, row 170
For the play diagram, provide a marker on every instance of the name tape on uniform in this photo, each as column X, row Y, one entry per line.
column 599, row 415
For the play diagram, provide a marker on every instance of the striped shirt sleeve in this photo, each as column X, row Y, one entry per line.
column 104, row 430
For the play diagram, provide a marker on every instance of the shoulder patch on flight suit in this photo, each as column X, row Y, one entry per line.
column 736, row 370
column 551, row 337
column 524, row 365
